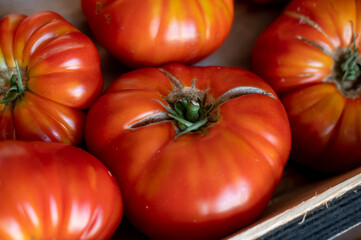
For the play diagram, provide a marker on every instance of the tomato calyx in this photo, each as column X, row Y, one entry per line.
column 188, row 109
column 14, row 90
column 350, row 67
column 346, row 70
column 192, row 110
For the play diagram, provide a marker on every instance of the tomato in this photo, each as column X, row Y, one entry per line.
column 309, row 55
column 49, row 72
column 197, row 151
column 52, row 190
column 152, row 33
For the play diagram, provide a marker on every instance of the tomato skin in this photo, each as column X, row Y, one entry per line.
column 55, row 191
column 60, row 66
column 324, row 122
column 152, row 33
column 199, row 186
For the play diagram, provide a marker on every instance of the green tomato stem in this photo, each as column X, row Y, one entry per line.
column 192, row 112
column 20, row 81
column 350, row 67
column 16, row 88
column 193, row 127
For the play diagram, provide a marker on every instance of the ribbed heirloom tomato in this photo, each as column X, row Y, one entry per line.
column 49, row 70
column 310, row 56
column 149, row 32
column 197, row 151
column 55, row 191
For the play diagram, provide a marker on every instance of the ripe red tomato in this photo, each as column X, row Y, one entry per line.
column 152, row 33
column 55, row 191
column 58, row 74
column 310, row 56
column 221, row 170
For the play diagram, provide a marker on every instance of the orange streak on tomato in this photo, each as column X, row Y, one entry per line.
column 157, row 137
column 66, row 47
column 259, row 128
column 334, row 18
column 44, row 35
column 47, row 120
column 8, row 27
column 27, row 28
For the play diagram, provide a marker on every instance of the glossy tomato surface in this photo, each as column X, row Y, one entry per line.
column 152, row 33
column 302, row 54
column 203, row 184
column 60, row 72
column 55, row 191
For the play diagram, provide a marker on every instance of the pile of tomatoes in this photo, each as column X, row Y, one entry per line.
column 187, row 152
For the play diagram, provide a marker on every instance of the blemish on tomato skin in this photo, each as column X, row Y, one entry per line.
column 107, row 16
column 92, row 176
column 99, row 7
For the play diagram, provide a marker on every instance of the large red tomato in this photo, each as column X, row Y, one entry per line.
column 48, row 72
column 310, row 55
column 149, row 33
column 197, row 151
column 55, row 191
